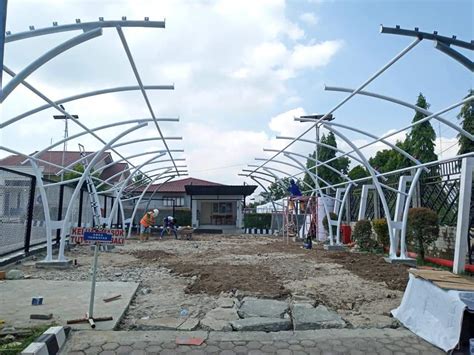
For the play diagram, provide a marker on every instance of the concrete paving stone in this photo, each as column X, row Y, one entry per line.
column 269, row 348
column 197, row 352
column 240, row 348
column 239, row 343
column 420, row 347
column 393, row 347
column 281, row 344
column 107, row 352
column 76, row 353
column 226, row 345
column 356, row 352
column 94, row 350
column 124, row 349
column 284, row 352
column 384, row 352
column 254, row 345
column 307, row 343
column 293, row 341
column 168, row 345
column 255, row 352
column 110, row 346
column 313, row 351
column 212, row 349
column 295, row 347
column 255, row 307
column 140, row 345
column 299, row 352
column 138, row 352
column 168, row 352
column 125, row 342
column 153, row 349
column 340, row 349
column 227, row 352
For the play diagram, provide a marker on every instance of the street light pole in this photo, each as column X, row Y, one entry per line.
column 66, row 134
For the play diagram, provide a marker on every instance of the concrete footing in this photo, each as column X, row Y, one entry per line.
column 335, row 247
column 54, row 264
column 406, row 261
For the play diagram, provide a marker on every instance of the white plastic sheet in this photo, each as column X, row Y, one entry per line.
column 431, row 313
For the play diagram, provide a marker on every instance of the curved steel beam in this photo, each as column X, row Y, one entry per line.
column 84, row 26
column 346, row 99
column 406, row 104
column 142, row 89
column 298, row 167
column 368, row 134
column 86, row 172
column 46, row 57
column 83, row 96
column 60, row 109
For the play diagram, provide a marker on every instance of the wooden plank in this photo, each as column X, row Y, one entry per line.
column 454, row 286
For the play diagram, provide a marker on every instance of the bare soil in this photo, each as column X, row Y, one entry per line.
column 193, row 274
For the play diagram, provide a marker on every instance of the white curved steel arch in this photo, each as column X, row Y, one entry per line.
column 84, row 26
column 406, row 104
column 87, row 170
column 46, row 57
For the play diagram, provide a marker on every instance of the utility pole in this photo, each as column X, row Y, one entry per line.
column 66, row 134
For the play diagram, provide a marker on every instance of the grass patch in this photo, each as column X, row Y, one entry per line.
column 21, row 342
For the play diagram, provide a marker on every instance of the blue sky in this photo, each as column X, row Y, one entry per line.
column 242, row 70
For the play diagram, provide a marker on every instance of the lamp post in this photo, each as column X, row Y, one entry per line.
column 66, row 134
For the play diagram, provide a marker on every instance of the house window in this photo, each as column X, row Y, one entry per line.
column 173, row 201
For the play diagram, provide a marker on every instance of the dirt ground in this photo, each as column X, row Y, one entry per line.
column 177, row 274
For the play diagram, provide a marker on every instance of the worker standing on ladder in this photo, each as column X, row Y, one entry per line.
column 146, row 222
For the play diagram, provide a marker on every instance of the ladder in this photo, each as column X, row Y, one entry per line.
column 91, row 190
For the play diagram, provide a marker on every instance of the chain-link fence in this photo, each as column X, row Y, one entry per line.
column 22, row 220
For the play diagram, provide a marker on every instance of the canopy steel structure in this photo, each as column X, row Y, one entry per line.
column 397, row 222
column 136, row 164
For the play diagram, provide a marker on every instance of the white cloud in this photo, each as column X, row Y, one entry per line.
column 229, row 60
column 309, row 18
column 312, row 56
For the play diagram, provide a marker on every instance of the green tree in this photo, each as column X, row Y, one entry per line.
column 324, row 154
column 358, row 172
column 421, row 139
column 466, row 116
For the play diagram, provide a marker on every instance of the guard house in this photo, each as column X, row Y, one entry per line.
column 218, row 207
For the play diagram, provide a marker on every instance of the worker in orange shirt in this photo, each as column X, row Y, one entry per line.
column 146, row 222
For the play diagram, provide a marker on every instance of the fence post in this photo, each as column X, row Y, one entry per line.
column 29, row 221
column 462, row 226
column 60, row 211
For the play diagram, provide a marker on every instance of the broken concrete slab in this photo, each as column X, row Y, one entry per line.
column 219, row 319
column 264, row 324
column 254, row 307
column 227, row 314
column 67, row 300
column 164, row 323
column 225, row 302
column 54, row 264
column 14, row 274
column 305, row 317
column 407, row 261
column 189, row 324
column 216, row 324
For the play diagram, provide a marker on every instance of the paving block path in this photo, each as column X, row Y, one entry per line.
column 324, row 341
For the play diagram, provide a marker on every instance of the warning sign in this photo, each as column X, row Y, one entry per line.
column 80, row 235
